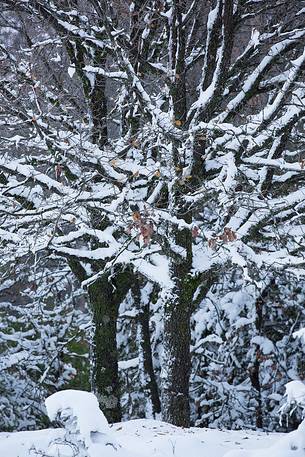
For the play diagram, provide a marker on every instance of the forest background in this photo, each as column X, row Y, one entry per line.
column 152, row 208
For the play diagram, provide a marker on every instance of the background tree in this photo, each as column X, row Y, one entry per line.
column 41, row 341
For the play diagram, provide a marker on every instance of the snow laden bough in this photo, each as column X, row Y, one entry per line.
column 87, row 431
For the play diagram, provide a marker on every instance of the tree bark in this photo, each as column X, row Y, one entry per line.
column 176, row 373
column 150, row 381
column 105, row 377
column 176, row 368
column 256, row 366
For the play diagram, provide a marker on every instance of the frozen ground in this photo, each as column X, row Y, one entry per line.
column 145, row 438
column 88, row 434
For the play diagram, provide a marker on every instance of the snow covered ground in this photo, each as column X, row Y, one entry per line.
column 88, row 434
column 145, row 438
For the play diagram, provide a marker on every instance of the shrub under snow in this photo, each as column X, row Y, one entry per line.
column 87, row 429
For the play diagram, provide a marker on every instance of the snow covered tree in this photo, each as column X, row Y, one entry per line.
column 40, row 331
column 167, row 149
column 56, row 96
column 244, row 351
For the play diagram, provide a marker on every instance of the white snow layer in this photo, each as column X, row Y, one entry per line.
column 290, row 445
column 143, row 437
column 140, row 438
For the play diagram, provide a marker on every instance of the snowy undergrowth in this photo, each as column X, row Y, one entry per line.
column 86, row 433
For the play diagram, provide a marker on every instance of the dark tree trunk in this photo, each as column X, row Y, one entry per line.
column 148, row 360
column 255, row 377
column 176, row 368
column 255, row 368
column 105, row 298
column 105, row 378
column 175, row 397
column 255, row 372
column 177, row 339
column 151, row 386
column 98, row 107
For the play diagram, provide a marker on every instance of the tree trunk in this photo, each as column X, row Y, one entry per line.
column 105, row 379
column 105, row 298
column 150, row 381
column 177, row 338
column 98, row 106
column 148, row 360
column 255, row 368
column 176, row 374
column 176, row 368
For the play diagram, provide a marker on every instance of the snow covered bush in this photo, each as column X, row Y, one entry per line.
column 293, row 408
column 87, row 429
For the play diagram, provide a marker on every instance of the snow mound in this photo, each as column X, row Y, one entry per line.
column 294, row 398
column 86, row 426
column 81, row 405
column 291, row 445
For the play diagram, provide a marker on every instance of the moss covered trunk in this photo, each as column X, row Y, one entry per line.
column 105, row 298
column 105, row 379
column 176, row 367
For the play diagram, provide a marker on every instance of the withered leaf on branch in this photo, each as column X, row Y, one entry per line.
column 195, row 231
column 227, row 236
column 143, row 225
column 212, row 243
column 146, row 230
column 136, row 216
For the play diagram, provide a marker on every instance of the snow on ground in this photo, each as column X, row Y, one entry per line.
column 146, row 438
column 88, row 434
column 290, row 445
column 150, row 438
column 28, row 444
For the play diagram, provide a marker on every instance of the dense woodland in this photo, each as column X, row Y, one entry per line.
column 152, row 210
